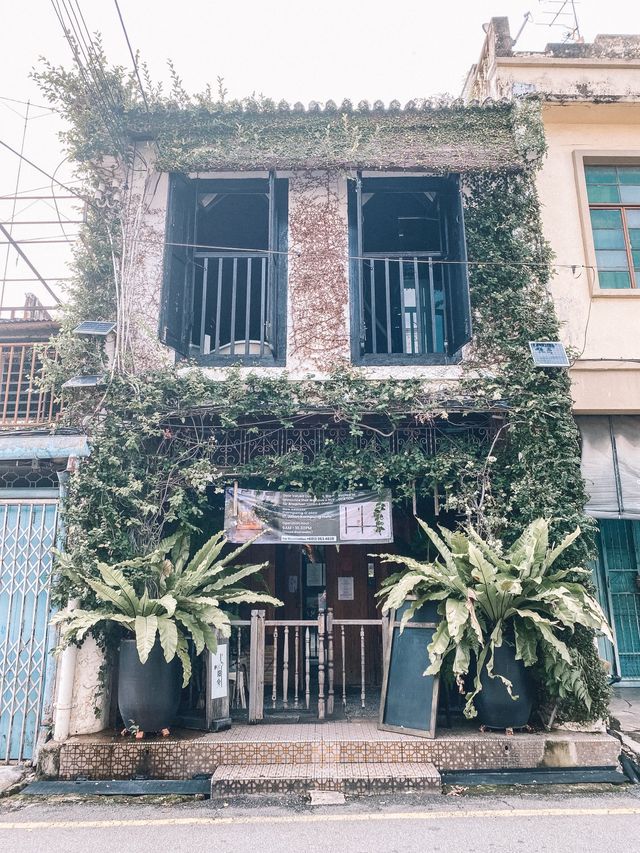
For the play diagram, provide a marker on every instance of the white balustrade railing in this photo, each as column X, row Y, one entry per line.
column 299, row 664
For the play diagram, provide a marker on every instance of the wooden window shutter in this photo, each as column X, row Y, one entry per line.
column 456, row 276
column 175, row 320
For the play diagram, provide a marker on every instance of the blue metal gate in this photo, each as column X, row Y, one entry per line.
column 27, row 537
column 620, row 554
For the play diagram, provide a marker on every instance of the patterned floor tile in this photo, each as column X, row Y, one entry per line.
column 326, row 746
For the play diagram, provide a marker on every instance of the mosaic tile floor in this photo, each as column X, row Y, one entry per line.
column 236, row 779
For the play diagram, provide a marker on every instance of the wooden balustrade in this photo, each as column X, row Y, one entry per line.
column 314, row 642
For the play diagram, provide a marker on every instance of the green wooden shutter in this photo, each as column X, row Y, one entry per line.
column 459, row 308
column 279, row 242
column 175, row 320
column 354, row 215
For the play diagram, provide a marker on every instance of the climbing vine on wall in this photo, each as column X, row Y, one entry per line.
column 151, row 464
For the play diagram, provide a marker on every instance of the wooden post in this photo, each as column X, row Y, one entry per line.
column 256, row 667
column 285, row 668
column 307, row 668
column 362, row 667
column 274, row 689
column 385, row 636
column 344, row 668
column 321, row 699
column 330, row 660
column 296, row 703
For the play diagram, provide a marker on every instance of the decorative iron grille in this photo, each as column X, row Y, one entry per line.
column 238, row 446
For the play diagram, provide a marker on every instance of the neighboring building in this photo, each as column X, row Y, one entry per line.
column 589, row 188
column 32, row 470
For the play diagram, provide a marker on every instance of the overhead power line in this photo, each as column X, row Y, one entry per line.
column 133, row 57
column 89, row 66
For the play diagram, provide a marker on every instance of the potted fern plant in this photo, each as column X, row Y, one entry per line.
column 502, row 612
column 162, row 600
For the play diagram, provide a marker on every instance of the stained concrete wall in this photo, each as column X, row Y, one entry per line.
column 580, row 79
column 591, row 112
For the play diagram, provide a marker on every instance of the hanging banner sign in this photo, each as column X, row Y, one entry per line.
column 344, row 518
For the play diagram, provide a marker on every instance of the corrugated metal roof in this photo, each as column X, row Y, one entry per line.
column 24, row 445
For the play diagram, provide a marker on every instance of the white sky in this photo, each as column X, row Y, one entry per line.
column 292, row 49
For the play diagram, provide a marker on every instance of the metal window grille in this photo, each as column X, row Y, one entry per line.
column 233, row 295
column 23, row 400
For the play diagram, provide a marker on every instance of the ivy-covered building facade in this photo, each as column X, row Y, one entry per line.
column 328, row 300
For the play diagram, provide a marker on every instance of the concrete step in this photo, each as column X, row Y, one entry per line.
column 235, row 779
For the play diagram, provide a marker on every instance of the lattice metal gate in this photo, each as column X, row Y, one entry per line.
column 620, row 544
column 27, row 537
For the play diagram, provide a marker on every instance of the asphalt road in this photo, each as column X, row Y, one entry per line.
column 561, row 821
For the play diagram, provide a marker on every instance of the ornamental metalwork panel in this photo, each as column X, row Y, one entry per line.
column 241, row 445
column 27, row 537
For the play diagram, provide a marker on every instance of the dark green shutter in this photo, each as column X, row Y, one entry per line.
column 459, row 308
column 279, row 244
column 175, row 320
column 354, row 214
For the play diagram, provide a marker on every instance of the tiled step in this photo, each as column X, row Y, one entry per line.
column 237, row 779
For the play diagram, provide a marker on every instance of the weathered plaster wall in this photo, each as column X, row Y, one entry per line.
column 602, row 325
column 142, row 273
column 89, row 695
column 318, row 286
column 574, row 78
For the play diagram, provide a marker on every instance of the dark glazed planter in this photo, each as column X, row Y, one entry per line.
column 496, row 709
column 149, row 693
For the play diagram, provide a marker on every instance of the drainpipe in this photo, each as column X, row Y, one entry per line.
column 64, row 697
column 67, row 665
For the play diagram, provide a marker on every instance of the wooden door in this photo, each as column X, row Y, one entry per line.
column 350, row 594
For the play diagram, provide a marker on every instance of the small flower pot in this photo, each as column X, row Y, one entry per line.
column 148, row 693
column 496, row 708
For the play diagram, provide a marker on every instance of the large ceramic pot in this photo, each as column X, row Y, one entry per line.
column 496, row 709
column 148, row 693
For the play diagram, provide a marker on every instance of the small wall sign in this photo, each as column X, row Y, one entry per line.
column 219, row 672
column 345, row 588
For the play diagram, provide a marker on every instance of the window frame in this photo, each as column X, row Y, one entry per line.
column 450, row 189
column 277, row 268
column 581, row 159
column 622, row 207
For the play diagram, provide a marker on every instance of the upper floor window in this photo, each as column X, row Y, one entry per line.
column 408, row 271
column 614, row 207
column 225, row 270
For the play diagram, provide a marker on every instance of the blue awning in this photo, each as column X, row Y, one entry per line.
column 26, row 445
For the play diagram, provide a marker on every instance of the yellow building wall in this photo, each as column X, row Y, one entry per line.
column 603, row 326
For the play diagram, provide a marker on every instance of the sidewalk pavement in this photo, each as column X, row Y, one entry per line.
column 625, row 708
